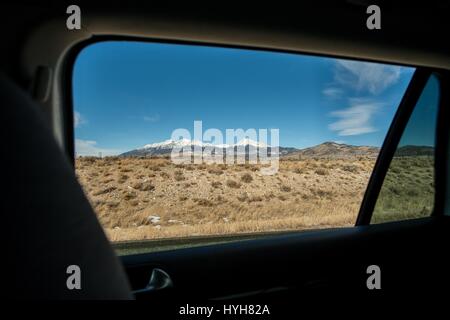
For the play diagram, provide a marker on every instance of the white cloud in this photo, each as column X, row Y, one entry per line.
column 89, row 148
column 355, row 119
column 153, row 118
column 333, row 93
column 373, row 77
column 78, row 119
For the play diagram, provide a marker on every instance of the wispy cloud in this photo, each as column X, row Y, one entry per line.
column 152, row 118
column 78, row 119
column 356, row 119
column 366, row 76
column 90, row 148
column 332, row 93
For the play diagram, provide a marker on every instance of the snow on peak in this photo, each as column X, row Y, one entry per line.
column 250, row 142
column 169, row 144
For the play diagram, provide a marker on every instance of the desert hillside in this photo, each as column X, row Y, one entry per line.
column 140, row 198
column 143, row 198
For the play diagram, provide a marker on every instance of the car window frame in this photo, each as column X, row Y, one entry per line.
column 393, row 137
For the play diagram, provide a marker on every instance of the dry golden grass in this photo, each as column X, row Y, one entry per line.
column 148, row 198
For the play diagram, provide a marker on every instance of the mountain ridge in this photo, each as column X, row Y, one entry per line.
column 325, row 149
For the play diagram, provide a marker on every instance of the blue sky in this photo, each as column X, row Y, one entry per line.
column 421, row 127
column 128, row 94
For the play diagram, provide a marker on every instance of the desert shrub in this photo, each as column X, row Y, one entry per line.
column 255, row 199
column 203, row 202
column 134, row 203
column 137, row 185
column 306, row 196
column 109, row 160
column 88, row 159
column 164, row 175
column 395, row 189
column 394, row 169
column 143, row 186
column 233, row 184
column 312, row 165
column 216, row 184
column 216, row 171
column 322, row 193
column 247, row 178
column 269, row 195
column 104, row 191
column 113, row 204
column 299, row 170
column 285, row 188
column 350, row 168
column 129, row 195
column 411, row 192
column 178, row 175
column 242, row 197
column 123, row 178
column 321, row 171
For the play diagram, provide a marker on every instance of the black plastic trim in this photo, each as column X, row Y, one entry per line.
column 442, row 161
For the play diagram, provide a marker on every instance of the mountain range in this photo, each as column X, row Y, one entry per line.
column 324, row 150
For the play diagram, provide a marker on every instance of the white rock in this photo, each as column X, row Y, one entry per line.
column 153, row 219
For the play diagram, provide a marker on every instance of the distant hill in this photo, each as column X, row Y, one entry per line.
column 323, row 150
column 335, row 150
column 410, row 150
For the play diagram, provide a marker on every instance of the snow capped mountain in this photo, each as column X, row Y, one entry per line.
column 166, row 147
column 250, row 142
column 169, row 144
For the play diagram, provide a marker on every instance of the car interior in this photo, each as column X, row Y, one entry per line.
column 50, row 223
